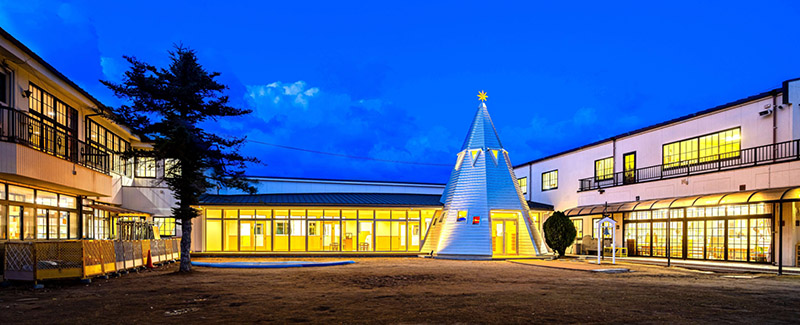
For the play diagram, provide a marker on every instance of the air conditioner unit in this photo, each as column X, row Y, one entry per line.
column 765, row 112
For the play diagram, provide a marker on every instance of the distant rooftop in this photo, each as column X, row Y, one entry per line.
column 325, row 199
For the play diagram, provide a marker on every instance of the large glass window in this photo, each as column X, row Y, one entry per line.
column 676, row 239
column 4, row 87
column 51, row 111
column 711, row 147
column 737, row 240
column 109, row 142
column 3, row 222
column 166, row 226
column 715, row 239
column 314, row 230
column 365, row 239
column 146, row 167
column 523, row 184
column 172, row 168
column 550, row 180
column 46, row 198
column 760, row 240
column 643, row 239
column 20, row 194
column 578, row 223
column 660, row 239
column 604, row 169
column 14, row 222
column 28, row 224
column 213, row 235
column 607, row 230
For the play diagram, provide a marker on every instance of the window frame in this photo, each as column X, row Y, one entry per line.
column 524, row 189
column 578, row 233
column 71, row 114
column 697, row 141
column 605, row 176
column 175, row 162
column 136, row 168
column 161, row 230
column 6, row 89
column 550, row 172
column 118, row 146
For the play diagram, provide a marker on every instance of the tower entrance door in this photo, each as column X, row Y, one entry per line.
column 504, row 234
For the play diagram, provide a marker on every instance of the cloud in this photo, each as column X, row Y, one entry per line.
column 113, row 69
column 300, row 115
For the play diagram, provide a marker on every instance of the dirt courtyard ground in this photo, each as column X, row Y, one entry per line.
column 409, row 290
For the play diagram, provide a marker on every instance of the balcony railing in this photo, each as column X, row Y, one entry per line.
column 757, row 156
column 18, row 127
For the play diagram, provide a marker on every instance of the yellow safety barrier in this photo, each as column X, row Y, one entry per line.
column 45, row 260
column 145, row 250
column 621, row 251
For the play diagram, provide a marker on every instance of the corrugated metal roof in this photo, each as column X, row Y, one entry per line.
column 321, row 199
column 539, row 206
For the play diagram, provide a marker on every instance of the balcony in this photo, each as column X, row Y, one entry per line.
column 757, row 156
column 17, row 127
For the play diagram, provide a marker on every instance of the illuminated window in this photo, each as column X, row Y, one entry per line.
column 172, row 168
column 711, row 147
column 146, row 167
column 578, row 223
column 4, row 87
column 459, row 160
column 166, row 226
column 109, row 142
column 607, row 231
column 52, row 111
column 523, row 184
column 550, row 180
column 494, row 155
column 475, row 154
column 604, row 169
column 462, row 216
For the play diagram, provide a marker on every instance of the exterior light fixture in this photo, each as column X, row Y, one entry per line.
column 26, row 93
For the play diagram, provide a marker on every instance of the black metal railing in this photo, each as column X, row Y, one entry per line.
column 756, row 156
column 20, row 128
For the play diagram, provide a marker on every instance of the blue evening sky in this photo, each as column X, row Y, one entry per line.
column 398, row 80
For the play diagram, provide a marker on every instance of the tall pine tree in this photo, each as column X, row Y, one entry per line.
column 166, row 106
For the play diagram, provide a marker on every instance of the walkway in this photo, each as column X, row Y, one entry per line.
column 577, row 265
column 714, row 266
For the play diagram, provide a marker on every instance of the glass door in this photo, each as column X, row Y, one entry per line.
column 14, row 222
column 498, row 237
column 247, row 235
column 262, row 235
column 41, row 224
column 511, row 237
column 330, row 235
column 629, row 160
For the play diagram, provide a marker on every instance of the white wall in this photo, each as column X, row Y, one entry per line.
column 270, row 185
column 755, row 131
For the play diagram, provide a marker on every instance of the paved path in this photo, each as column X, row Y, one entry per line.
column 572, row 265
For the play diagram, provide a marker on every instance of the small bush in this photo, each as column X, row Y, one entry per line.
column 559, row 232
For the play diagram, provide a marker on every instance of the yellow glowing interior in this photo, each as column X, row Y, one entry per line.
column 315, row 230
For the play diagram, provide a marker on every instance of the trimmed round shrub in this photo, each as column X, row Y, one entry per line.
column 559, row 232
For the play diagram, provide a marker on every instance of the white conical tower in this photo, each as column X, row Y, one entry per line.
column 481, row 182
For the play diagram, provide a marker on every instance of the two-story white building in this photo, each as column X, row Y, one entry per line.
column 714, row 184
column 62, row 174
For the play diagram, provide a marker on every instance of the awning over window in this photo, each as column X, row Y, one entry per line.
column 758, row 196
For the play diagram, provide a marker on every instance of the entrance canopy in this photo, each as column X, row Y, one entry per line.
column 756, row 196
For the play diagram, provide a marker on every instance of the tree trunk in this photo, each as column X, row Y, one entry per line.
column 186, row 245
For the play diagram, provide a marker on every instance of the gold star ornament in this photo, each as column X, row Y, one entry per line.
column 482, row 96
